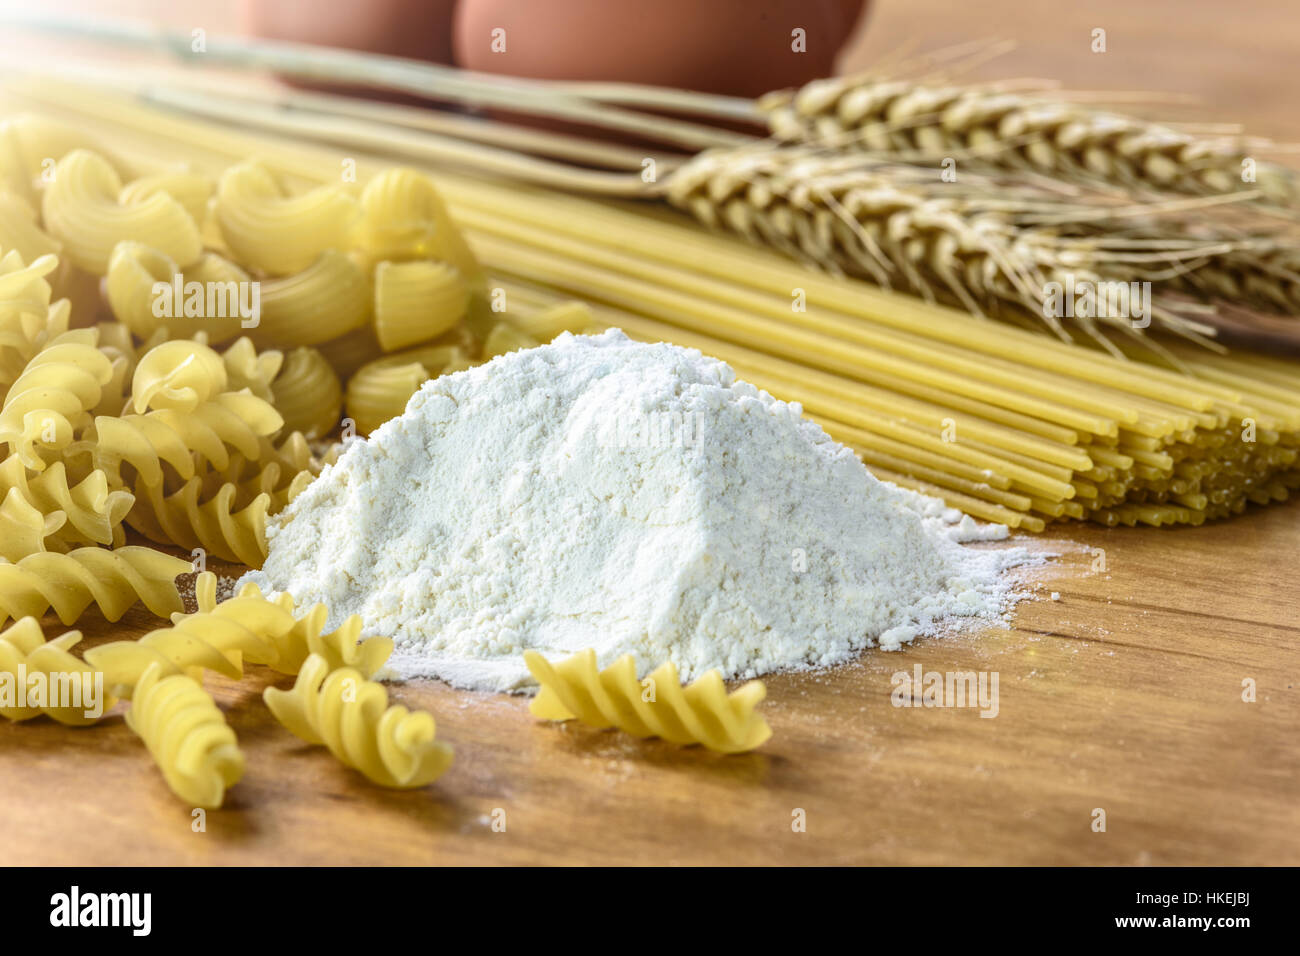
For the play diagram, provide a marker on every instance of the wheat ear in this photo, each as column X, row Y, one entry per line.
column 1018, row 130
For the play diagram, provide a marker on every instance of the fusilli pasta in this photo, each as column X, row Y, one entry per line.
column 186, row 519
column 180, row 375
column 135, row 269
column 701, row 713
column 69, row 583
column 187, row 736
column 23, row 645
column 350, row 715
column 94, row 513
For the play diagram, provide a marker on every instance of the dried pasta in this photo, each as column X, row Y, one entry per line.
column 270, row 231
column 350, row 715
column 180, row 375
column 23, row 645
column 380, row 389
column 404, row 218
column 342, row 647
column 192, row 190
column 248, row 368
column 326, row 300
column 207, row 433
column 417, row 301
column 70, row 583
column 27, row 319
column 54, row 394
column 546, row 323
column 189, row 519
column 20, row 230
column 187, row 736
column 701, row 713
column 135, row 269
column 281, row 470
column 82, row 210
column 23, row 527
column 307, row 393
column 94, row 513
column 506, row 337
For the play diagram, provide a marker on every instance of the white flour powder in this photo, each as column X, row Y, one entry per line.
column 601, row 493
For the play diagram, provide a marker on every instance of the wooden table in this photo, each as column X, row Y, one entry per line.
column 1124, row 695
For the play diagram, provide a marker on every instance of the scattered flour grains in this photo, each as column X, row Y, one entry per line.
column 598, row 492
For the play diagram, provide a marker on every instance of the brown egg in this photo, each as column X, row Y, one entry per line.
column 418, row 29
column 738, row 47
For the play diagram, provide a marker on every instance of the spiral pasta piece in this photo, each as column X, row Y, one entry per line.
column 342, row 647
column 82, row 210
column 54, row 395
column 27, row 319
column 192, row 190
column 248, row 368
column 350, row 715
column 270, row 231
column 70, row 583
column 417, row 301
column 24, row 650
column 187, row 736
column 404, row 218
column 179, row 375
column 329, row 298
column 23, row 527
column 141, row 289
column 94, row 513
column 379, row 390
column 307, row 393
column 188, row 520
column 279, row 470
column 206, row 434
column 701, row 713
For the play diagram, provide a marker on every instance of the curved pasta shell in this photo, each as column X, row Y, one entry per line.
column 328, row 299
column 380, row 390
column 417, row 301
column 307, row 393
column 137, row 275
column 273, row 232
column 404, row 218
column 82, row 210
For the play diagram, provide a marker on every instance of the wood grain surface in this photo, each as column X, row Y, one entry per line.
column 1125, row 694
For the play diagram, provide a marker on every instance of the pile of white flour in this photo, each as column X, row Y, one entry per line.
column 602, row 493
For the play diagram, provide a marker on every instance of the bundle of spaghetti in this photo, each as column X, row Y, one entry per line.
column 23, row 647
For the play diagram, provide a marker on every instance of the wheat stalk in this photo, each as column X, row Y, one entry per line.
column 1013, row 129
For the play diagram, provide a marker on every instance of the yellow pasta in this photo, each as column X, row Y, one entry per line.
column 307, row 393
column 280, row 470
column 192, row 190
column 180, row 375
column 54, row 395
column 417, row 301
column 20, row 231
column 187, row 736
column 546, row 323
column 230, row 420
column 141, row 291
column 189, row 520
column 701, row 713
column 248, row 368
column 380, row 389
column 350, row 715
column 93, row 513
column 349, row 352
column 69, row 583
column 342, row 647
column 270, row 231
column 23, row 647
column 328, row 299
column 506, row 337
column 23, row 527
column 404, row 218
column 27, row 319
column 82, row 210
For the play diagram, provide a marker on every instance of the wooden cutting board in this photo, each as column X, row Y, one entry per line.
column 1124, row 695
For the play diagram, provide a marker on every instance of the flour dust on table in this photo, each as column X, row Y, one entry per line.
column 598, row 492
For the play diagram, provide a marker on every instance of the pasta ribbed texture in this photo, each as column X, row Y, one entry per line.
column 658, row 706
column 417, row 301
column 404, row 218
column 380, row 390
column 82, row 210
column 69, row 583
column 187, row 736
column 210, row 308
column 326, row 300
column 307, row 393
column 351, row 716
column 23, row 645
